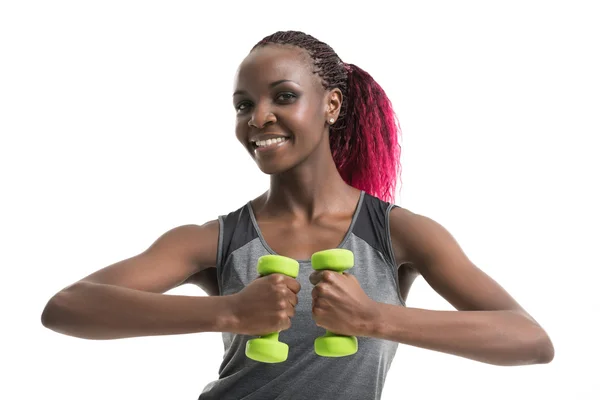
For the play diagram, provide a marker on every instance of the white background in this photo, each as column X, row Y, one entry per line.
column 117, row 125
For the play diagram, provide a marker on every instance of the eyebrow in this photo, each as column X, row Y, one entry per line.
column 271, row 85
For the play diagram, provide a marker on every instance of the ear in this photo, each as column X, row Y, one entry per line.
column 333, row 103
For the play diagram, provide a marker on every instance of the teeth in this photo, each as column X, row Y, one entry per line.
column 268, row 142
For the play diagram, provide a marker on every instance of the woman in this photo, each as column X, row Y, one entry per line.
column 326, row 134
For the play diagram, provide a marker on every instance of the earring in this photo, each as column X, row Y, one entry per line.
column 331, row 121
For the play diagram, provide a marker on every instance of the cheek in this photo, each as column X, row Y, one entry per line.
column 305, row 118
column 240, row 129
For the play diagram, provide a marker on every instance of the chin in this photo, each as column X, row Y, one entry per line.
column 273, row 167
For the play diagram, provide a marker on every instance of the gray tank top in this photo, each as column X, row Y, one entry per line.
column 305, row 375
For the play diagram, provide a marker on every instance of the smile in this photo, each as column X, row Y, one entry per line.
column 269, row 145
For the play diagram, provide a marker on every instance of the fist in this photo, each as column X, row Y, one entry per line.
column 265, row 306
column 340, row 305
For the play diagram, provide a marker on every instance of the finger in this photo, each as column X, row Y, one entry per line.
column 290, row 310
column 292, row 284
column 318, row 291
column 316, row 277
column 291, row 298
column 277, row 277
column 285, row 324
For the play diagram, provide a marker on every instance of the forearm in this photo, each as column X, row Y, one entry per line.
column 97, row 311
column 493, row 337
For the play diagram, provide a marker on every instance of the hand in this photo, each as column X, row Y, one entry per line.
column 340, row 305
column 265, row 306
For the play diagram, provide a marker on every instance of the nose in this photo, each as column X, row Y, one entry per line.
column 261, row 117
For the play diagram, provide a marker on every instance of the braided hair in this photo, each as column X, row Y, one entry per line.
column 364, row 139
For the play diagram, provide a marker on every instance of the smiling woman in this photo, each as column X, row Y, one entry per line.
column 327, row 135
column 294, row 86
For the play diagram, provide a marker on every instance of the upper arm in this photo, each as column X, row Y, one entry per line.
column 167, row 263
column 437, row 256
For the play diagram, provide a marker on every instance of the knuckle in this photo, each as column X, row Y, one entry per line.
column 282, row 316
column 282, row 304
column 321, row 290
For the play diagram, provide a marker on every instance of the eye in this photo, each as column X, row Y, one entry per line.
column 287, row 96
column 242, row 106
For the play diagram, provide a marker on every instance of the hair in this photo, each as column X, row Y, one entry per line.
column 364, row 140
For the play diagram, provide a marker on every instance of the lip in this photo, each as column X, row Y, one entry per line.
column 266, row 136
column 271, row 148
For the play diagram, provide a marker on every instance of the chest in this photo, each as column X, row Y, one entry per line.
column 300, row 241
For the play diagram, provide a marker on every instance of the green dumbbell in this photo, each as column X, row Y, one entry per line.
column 331, row 344
column 268, row 348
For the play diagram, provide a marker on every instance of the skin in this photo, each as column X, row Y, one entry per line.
column 307, row 208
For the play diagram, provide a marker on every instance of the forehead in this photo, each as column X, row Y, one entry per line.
column 270, row 63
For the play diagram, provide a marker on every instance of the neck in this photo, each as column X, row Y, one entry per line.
column 311, row 189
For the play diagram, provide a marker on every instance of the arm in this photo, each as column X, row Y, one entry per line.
column 125, row 299
column 490, row 325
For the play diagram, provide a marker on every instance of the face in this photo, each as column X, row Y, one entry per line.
column 281, row 107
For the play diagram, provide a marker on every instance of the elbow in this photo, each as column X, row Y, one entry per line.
column 545, row 348
column 56, row 311
column 51, row 315
column 533, row 347
column 534, row 343
column 539, row 346
column 68, row 313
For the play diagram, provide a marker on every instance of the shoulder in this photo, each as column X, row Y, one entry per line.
column 189, row 233
column 404, row 222
column 420, row 238
column 192, row 241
